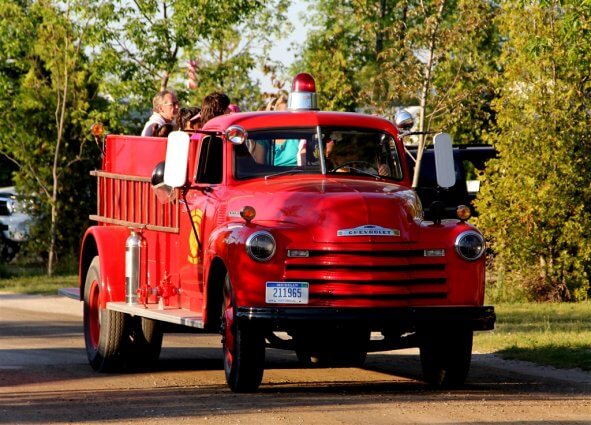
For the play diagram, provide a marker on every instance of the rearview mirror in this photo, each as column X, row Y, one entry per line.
column 444, row 160
column 404, row 120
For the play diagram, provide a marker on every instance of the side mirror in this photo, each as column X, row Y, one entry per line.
column 444, row 160
column 236, row 135
column 177, row 154
column 158, row 174
column 403, row 120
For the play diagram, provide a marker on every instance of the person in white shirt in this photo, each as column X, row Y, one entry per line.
column 165, row 109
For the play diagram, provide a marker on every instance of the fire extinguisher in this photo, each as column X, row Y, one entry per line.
column 134, row 245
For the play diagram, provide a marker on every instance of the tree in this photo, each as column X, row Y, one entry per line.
column 145, row 46
column 334, row 53
column 46, row 112
column 534, row 204
column 379, row 55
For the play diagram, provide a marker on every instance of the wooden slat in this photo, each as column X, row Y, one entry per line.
column 130, row 201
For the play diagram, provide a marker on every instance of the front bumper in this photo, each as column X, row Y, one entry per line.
column 477, row 318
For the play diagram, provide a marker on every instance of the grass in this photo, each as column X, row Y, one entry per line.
column 555, row 334
column 38, row 285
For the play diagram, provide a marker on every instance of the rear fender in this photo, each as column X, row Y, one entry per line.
column 108, row 242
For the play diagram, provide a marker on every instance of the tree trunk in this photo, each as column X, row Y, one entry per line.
column 428, row 72
column 52, row 240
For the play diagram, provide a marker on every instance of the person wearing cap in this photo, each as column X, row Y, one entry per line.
column 165, row 107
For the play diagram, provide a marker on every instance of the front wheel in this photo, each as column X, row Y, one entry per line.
column 446, row 357
column 103, row 329
column 244, row 347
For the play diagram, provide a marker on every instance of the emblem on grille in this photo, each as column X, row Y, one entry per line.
column 368, row 230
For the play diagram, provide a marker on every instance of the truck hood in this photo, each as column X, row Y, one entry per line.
column 336, row 209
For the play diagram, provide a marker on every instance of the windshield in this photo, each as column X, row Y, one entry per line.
column 350, row 151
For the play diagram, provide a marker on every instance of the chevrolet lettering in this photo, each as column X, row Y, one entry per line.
column 368, row 231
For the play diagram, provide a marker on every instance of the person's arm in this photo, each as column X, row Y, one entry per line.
column 258, row 150
column 301, row 157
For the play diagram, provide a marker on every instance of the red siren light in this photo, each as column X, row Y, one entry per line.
column 303, row 82
column 303, row 93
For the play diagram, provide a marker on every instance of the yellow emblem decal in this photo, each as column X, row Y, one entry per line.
column 193, row 257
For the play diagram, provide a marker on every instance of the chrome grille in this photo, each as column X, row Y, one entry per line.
column 369, row 275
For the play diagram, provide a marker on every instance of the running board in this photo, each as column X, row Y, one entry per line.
column 179, row 316
column 73, row 293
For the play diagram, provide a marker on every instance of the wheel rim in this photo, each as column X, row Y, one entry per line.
column 94, row 314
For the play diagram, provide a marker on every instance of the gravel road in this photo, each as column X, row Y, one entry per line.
column 45, row 379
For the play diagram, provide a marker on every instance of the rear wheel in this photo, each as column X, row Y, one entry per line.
column 144, row 337
column 446, row 357
column 103, row 329
column 244, row 347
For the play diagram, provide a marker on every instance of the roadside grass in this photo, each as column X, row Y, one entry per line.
column 37, row 284
column 553, row 334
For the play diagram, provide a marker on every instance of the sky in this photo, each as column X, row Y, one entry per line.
column 283, row 50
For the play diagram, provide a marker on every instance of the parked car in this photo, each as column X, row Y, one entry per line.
column 13, row 223
column 467, row 159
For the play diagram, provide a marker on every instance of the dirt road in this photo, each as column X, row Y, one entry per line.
column 45, row 379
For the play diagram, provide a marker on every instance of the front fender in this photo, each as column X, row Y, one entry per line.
column 466, row 279
column 248, row 276
column 108, row 242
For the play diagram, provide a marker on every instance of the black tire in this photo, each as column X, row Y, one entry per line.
column 8, row 249
column 446, row 357
column 144, row 337
column 244, row 347
column 103, row 329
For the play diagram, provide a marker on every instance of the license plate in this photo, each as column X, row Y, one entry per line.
column 287, row 292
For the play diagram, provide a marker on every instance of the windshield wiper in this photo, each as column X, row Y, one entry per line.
column 359, row 171
column 292, row 171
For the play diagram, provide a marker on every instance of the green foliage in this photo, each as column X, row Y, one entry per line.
column 373, row 56
column 335, row 53
column 50, row 102
column 534, row 199
column 463, row 74
column 144, row 46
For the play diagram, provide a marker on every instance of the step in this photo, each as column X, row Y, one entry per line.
column 179, row 316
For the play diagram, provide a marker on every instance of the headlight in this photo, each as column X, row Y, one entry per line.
column 470, row 245
column 260, row 246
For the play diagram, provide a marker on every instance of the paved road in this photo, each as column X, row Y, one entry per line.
column 45, row 378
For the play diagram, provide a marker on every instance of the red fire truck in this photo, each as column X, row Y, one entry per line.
column 296, row 230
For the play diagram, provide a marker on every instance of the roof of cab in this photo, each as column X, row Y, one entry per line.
column 301, row 119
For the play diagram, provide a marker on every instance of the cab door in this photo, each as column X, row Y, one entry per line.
column 200, row 207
